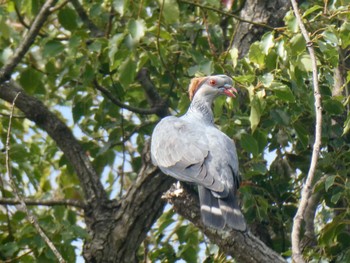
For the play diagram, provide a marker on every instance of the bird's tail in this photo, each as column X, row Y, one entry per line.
column 218, row 212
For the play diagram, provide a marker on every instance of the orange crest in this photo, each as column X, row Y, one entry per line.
column 194, row 85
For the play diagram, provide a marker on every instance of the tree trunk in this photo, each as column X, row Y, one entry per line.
column 270, row 13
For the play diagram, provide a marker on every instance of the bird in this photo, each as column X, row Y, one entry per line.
column 192, row 149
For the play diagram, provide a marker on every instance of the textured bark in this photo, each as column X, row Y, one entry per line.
column 258, row 11
column 130, row 222
column 243, row 246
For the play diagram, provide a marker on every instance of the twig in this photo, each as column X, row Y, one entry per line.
column 109, row 95
column 95, row 31
column 13, row 116
column 6, row 70
column 122, row 167
column 32, row 219
column 158, row 34
column 210, row 43
column 32, row 202
column 16, row 259
column 307, row 188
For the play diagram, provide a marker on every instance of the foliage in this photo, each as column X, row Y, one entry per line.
column 272, row 122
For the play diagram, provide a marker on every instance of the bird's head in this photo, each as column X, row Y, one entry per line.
column 212, row 86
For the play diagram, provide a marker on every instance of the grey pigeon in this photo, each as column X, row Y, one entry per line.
column 190, row 148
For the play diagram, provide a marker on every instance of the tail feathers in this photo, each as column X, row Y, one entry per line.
column 232, row 213
column 218, row 212
column 210, row 209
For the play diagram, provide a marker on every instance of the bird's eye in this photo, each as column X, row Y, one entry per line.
column 212, row 82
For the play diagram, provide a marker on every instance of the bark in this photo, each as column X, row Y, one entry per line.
column 258, row 11
column 134, row 216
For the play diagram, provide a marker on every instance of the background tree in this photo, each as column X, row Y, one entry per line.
column 92, row 78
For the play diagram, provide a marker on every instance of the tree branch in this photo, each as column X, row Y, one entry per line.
column 117, row 238
column 158, row 109
column 95, row 31
column 307, row 188
column 33, row 202
column 36, row 111
column 243, row 246
column 31, row 218
column 153, row 97
column 9, row 66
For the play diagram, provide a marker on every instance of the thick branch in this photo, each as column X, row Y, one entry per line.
column 36, row 111
column 309, row 238
column 243, row 246
column 33, row 202
column 307, row 188
column 119, row 237
column 7, row 69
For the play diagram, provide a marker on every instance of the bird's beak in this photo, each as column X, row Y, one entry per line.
column 230, row 91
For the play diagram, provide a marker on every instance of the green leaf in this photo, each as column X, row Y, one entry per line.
column 136, row 29
column 304, row 62
column 333, row 106
column 127, row 72
column 120, row 6
column 234, row 56
column 267, row 79
column 346, row 125
column 5, row 31
column 53, row 48
column 255, row 112
column 331, row 37
column 297, row 44
column 171, row 11
column 336, row 197
column 113, row 44
column 256, row 55
column 267, row 42
column 31, row 81
column 280, row 116
column 9, row 249
column 344, row 34
column 261, row 138
column 302, row 134
column 244, row 78
column 249, row 144
column 312, row 9
column 329, row 182
column 68, row 18
column 81, row 107
column 291, row 22
column 283, row 92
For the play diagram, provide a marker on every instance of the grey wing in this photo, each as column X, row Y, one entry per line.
column 223, row 161
column 180, row 149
